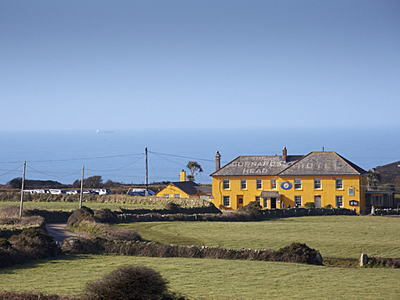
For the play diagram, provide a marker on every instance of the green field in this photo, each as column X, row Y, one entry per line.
column 70, row 206
column 333, row 236
column 212, row 279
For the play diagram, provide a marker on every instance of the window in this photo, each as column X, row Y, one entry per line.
column 227, row 201
column 259, row 184
column 297, row 201
column 273, row 183
column 243, row 184
column 225, row 184
column 339, row 183
column 376, row 200
column 166, row 195
column 177, row 195
column 317, row 183
column 339, row 201
column 297, row 183
column 258, row 199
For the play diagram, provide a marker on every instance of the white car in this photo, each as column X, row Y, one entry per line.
column 103, row 191
column 57, row 192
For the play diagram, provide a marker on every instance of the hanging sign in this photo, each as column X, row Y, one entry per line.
column 286, row 185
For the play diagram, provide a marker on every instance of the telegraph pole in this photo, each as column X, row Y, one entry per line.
column 80, row 198
column 22, row 191
column 147, row 174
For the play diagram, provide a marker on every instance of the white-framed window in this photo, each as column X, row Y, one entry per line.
column 273, row 183
column 297, row 183
column 259, row 183
column 177, row 195
column 226, row 184
column 297, row 201
column 166, row 195
column 243, row 184
column 317, row 184
column 339, row 183
column 339, row 201
column 226, row 201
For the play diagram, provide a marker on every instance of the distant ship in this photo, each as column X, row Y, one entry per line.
column 104, row 131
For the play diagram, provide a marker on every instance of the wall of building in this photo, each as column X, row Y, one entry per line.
column 328, row 192
column 172, row 191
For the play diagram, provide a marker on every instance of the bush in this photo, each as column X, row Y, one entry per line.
column 172, row 206
column 328, row 206
column 130, row 282
column 105, row 215
column 252, row 207
column 6, row 295
column 309, row 205
column 79, row 215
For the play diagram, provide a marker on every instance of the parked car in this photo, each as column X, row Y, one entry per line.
column 73, row 192
column 103, row 191
column 57, row 192
column 140, row 192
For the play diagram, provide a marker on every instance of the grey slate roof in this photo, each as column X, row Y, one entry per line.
column 191, row 188
column 256, row 165
column 312, row 164
column 323, row 163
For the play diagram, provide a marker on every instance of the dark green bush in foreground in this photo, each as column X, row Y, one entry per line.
column 30, row 244
column 130, row 282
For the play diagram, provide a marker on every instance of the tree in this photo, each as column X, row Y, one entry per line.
column 374, row 179
column 194, row 168
column 90, row 182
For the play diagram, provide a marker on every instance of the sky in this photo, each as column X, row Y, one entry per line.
column 109, row 65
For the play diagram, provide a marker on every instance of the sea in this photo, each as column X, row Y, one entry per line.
column 120, row 155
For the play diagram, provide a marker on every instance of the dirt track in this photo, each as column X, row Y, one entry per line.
column 60, row 232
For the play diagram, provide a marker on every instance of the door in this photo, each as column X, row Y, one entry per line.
column 240, row 201
column 317, row 201
column 273, row 203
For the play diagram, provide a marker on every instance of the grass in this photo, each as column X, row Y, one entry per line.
column 333, row 236
column 69, row 206
column 211, row 279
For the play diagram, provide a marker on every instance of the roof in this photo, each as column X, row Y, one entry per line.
column 256, row 165
column 192, row 188
column 270, row 194
column 315, row 163
column 323, row 163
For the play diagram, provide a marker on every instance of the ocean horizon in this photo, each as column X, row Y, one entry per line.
column 119, row 155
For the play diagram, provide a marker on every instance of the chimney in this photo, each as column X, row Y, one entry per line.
column 217, row 161
column 183, row 175
column 284, row 154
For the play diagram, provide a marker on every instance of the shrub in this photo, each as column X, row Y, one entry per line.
column 299, row 253
column 309, row 205
column 172, row 206
column 105, row 215
column 9, row 295
column 34, row 244
column 79, row 215
column 252, row 207
column 130, row 282
column 328, row 206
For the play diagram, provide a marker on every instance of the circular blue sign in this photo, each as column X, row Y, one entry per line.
column 286, row 185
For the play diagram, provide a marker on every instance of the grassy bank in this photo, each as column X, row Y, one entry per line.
column 212, row 279
column 333, row 236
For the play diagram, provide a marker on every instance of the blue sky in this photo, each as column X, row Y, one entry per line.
column 67, row 65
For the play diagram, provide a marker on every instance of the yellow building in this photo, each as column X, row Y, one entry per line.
column 184, row 189
column 280, row 181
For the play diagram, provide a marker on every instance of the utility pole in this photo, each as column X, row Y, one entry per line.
column 80, row 198
column 147, row 174
column 22, row 191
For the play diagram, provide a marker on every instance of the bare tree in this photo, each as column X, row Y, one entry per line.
column 194, row 168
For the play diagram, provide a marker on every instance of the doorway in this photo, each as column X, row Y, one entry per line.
column 317, row 201
column 273, row 203
column 240, row 201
